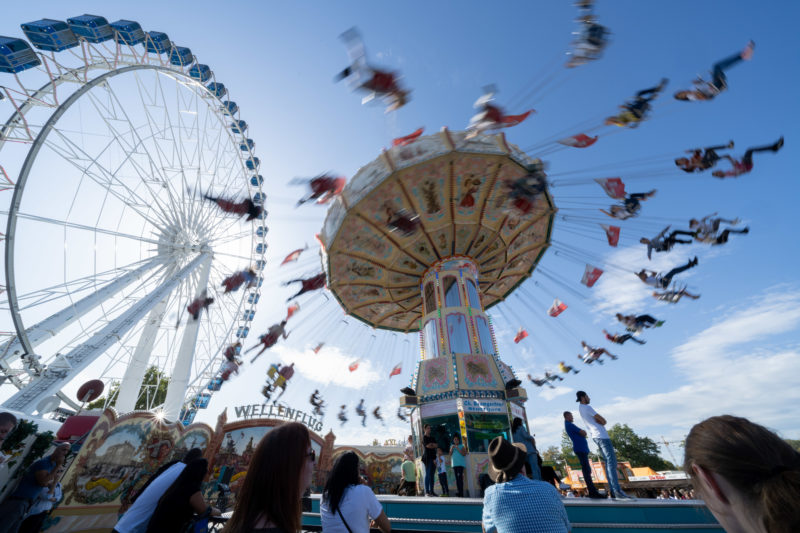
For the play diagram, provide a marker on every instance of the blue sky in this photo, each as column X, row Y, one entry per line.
column 734, row 351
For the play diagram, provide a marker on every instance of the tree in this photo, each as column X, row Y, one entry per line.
column 566, row 447
column 639, row 451
column 794, row 443
column 552, row 455
column 153, row 391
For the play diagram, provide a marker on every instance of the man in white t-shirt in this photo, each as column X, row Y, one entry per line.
column 596, row 424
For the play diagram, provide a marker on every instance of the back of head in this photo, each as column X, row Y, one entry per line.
column 763, row 468
column 7, row 418
column 271, row 489
column 187, row 483
column 516, row 424
column 343, row 474
column 191, row 455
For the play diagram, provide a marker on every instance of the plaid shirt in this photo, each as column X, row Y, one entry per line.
column 524, row 506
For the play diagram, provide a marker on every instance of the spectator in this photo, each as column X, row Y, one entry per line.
column 182, row 500
column 409, row 473
column 410, row 447
column 145, row 501
column 521, row 435
column 347, row 505
column 7, row 424
column 515, row 503
column 595, row 423
column 581, row 450
column 278, row 475
column 429, row 459
column 458, row 460
column 39, row 475
column 441, row 469
column 748, row 476
column 48, row 497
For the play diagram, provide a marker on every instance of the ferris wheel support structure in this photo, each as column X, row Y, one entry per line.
column 49, row 327
column 134, row 373
column 67, row 366
column 179, row 379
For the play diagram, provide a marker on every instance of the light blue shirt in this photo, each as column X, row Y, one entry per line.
column 456, row 459
column 522, row 435
column 523, row 505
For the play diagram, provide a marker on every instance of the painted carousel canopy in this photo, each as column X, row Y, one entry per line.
column 459, row 188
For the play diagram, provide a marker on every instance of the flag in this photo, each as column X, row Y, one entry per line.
column 612, row 234
column 353, row 366
column 292, row 256
column 512, row 120
column 580, row 140
column 591, row 275
column 521, row 334
column 291, row 310
column 319, row 347
column 408, row 139
column 557, row 308
column 613, row 187
column 398, row 368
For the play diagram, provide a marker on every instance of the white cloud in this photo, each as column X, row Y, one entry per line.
column 730, row 367
column 329, row 367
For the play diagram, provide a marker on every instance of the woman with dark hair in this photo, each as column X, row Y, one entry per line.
column 348, row 506
column 182, row 500
column 279, row 473
column 146, row 499
column 748, row 476
column 521, row 435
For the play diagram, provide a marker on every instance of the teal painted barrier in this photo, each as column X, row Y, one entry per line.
column 459, row 515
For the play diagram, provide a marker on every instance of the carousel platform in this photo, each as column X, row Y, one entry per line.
column 587, row 516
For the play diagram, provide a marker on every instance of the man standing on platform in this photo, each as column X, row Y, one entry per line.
column 595, row 423
column 429, row 459
column 581, row 449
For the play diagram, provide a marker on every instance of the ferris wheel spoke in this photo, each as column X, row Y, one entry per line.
column 74, row 225
column 131, row 148
column 104, row 179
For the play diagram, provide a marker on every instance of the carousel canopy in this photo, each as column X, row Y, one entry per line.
column 459, row 189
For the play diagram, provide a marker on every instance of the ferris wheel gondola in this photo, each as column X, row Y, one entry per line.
column 106, row 243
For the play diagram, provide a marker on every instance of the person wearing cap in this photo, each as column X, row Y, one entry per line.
column 581, row 450
column 596, row 424
column 40, row 474
column 516, row 504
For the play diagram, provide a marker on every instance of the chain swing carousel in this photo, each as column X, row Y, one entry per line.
column 425, row 238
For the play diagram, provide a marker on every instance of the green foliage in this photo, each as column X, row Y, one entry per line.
column 566, row 447
column 24, row 429
column 639, row 451
column 153, row 391
column 39, row 446
column 552, row 455
column 794, row 443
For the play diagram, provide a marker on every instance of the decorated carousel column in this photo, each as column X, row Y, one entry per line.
column 461, row 387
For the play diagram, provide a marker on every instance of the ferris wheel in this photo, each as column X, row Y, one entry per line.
column 114, row 136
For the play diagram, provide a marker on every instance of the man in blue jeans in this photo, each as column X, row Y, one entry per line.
column 581, row 449
column 595, row 423
column 428, row 459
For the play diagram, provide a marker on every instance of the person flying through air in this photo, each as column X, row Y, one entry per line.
column 707, row 90
column 236, row 280
column 270, row 338
column 701, row 158
column 245, row 207
column 746, row 164
column 630, row 207
column 636, row 110
column 378, row 83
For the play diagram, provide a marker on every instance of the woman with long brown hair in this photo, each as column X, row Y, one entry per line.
column 278, row 475
column 747, row 475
